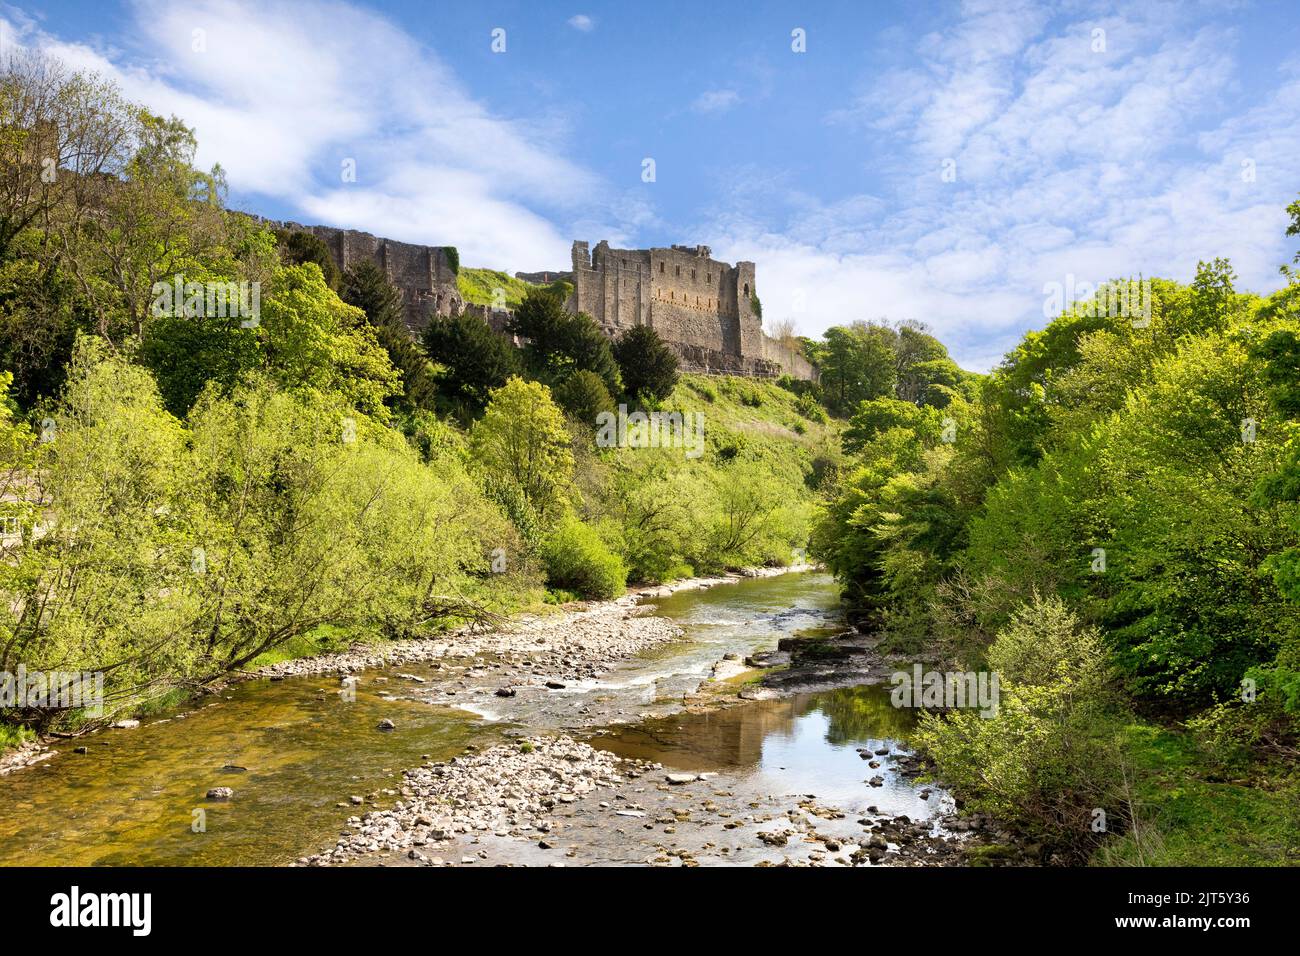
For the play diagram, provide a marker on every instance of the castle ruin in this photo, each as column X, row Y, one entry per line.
column 424, row 275
column 705, row 309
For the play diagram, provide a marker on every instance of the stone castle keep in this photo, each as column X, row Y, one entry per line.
column 703, row 308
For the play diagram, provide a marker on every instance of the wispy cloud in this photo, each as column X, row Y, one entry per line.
column 1067, row 151
column 282, row 99
column 715, row 101
column 582, row 22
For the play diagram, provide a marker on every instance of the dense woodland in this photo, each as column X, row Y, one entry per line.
column 1109, row 519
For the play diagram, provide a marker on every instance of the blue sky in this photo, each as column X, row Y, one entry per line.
column 1074, row 155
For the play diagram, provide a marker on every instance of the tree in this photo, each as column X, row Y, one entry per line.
column 648, row 365
column 857, row 363
column 305, row 337
column 298, row 247
column 63, row 139
column 583, row 396
column 367, row 287
column 557, row 342
column 161, row 222
column 522, row 437
column 474, row 360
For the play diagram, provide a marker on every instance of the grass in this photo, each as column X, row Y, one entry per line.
column 760, row 409
column 1195, row 813
column 321, row 640
column 11, row 736
column 478, row 286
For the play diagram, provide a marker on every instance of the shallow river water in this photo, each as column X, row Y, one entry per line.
column 294, row 750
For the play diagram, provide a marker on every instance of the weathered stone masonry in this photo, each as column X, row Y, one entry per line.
column 700, row 306
column 423, row 274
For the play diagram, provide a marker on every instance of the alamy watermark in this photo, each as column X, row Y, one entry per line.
column 683, row 430
column 934, row 690
column 53, row 690
column 209, row 300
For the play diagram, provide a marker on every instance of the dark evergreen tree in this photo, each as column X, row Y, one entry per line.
column 648, row 365
column 475, row 359
column 366, row 287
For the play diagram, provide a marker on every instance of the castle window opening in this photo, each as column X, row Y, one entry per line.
column 692, row 275
column 661, row 268
column 678, row 271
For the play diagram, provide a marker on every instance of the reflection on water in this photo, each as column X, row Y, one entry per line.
column 130, row 800
column 804, row 744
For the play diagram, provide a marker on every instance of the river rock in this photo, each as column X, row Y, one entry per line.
column 220, row 793
column 131, row 724
column 386, row 724
column 677, row 779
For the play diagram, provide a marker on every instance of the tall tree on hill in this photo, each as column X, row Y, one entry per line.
column 366, row 287
column 857, row 364
column 474, row 359
column 648, row 365
column 297, row 247
column 559, row 343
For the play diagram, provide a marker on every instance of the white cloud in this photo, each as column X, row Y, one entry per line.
column 1069, row 162
column 582, row 22
column 715, row 101
column 281, row 93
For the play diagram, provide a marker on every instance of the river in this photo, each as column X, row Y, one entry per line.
column 295, row 751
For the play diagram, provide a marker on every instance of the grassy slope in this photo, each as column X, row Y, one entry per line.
column 764, row 412
column 1197, row 814
column 477, row 286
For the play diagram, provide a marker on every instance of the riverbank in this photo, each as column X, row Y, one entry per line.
column 505, row 750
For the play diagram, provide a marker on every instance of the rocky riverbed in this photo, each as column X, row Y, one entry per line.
column 578, row 643
column 557, row 801
column 710, row 728
column 24, row 755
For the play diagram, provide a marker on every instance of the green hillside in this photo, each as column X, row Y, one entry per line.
column 478, row 287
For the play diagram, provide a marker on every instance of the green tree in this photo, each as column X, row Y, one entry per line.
column 366, row 287
column 583, row 396
column 857, row 364
column 522, row 437
column 648, row 365
column 558, row 343
column 474, row 360
column 298, row 247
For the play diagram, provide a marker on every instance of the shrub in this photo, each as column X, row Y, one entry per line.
column 577, row 560
column 1050, row 756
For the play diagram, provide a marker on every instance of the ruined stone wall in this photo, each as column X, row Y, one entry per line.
column 422, row 274
column 703, row 308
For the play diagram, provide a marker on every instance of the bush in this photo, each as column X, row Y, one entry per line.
column 577, row 560
column 1050, row 756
